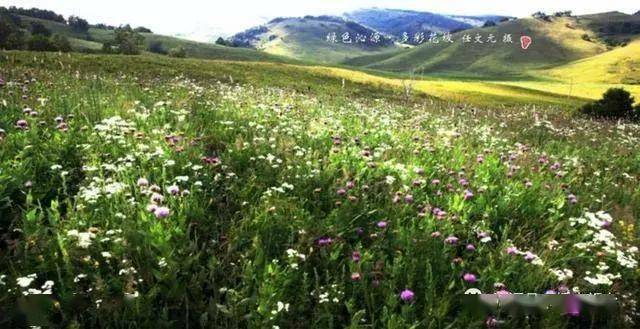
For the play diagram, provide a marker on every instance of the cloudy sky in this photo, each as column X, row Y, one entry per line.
column 203, row 19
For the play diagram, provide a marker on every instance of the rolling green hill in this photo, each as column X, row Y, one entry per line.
column 305, row 38
column 555, row 42
column 621, row 65
column 93, row 39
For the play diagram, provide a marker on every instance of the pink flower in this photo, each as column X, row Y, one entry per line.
column 512, row 250
column 470, row 278
column 355, row 276
column 529, row 256
column 381, row 224
column 407, row 295
column 143, row 182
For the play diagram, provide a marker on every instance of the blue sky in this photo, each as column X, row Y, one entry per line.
column 205, row 19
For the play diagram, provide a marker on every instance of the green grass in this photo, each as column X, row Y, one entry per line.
column 93, row 39
column 294, row 199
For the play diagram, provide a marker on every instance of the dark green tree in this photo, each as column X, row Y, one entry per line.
column 127, row 40
column 221, row 41
column 61, row 43
column 11, row 36
column 38, row 28
column 616, row 103
column 142, row 29
column 38, row 42
column 489, row 24
column 78, row 24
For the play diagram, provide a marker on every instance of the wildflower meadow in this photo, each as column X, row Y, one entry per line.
column 143, row 192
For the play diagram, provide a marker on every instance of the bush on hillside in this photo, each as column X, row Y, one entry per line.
column 178, row 52
column 616, row 103
column 489, row 24
column 157, row 47
column 39, row 42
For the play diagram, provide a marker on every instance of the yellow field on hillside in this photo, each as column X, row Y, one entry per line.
column 621, row 65
column 489, row 92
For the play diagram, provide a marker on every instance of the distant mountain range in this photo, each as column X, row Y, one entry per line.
column 305, row 37
column 398, row 23
column 317, row 38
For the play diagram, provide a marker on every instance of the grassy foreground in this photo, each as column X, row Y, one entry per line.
column 143, row 191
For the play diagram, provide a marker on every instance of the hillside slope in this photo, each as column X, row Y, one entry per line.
column 556, row 42
column 621, row 65
column 93, row 39
column 305, row 38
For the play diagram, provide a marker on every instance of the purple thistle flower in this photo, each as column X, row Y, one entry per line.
column 157, row 198
column 512, row 250
column 173, row 189
column 142, row 182
column 355, row 256
column 22, row 124
column 407, row 295
column 471, row 247
column 435, row 182
column 162, row 212
column 351, row 184
column 470, row 278
column 468, row 195
column 408, row 198
column 452, row 240
column 381, row 224
column 325, row 241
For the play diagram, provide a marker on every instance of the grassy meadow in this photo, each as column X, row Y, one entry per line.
column 140, row 191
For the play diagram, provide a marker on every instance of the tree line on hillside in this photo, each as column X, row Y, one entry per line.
column 20, row 34
column 17, row 34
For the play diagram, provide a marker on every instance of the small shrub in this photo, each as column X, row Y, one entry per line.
column 178, row 52
column 157, row 47
column 39, row 42
column 616, row 103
